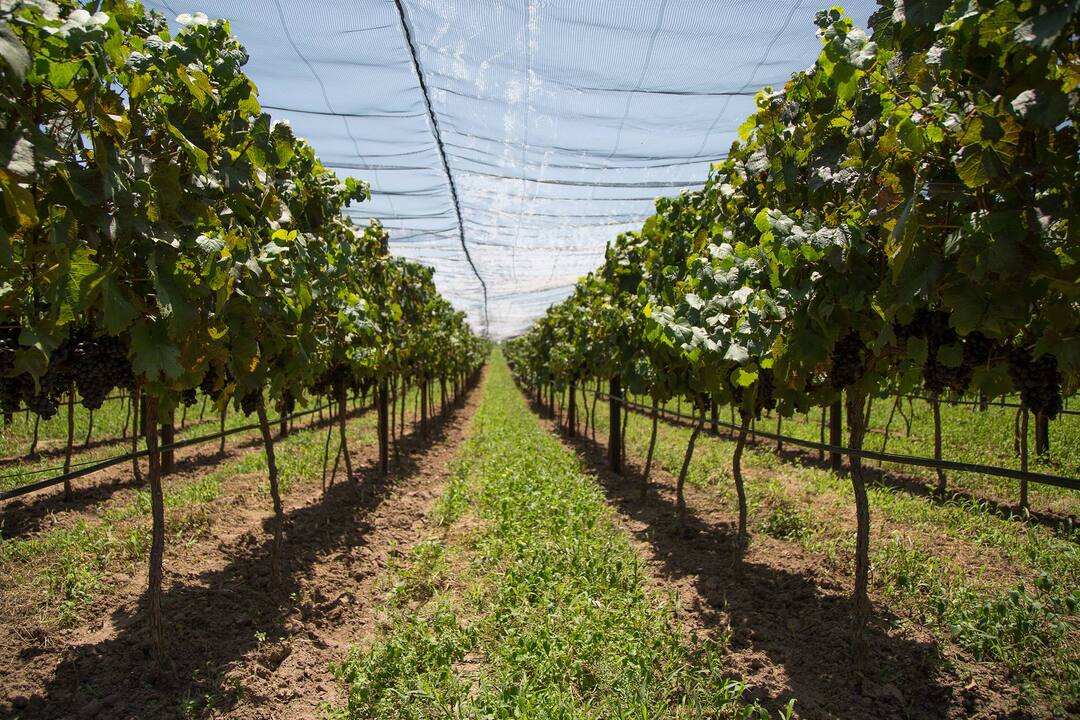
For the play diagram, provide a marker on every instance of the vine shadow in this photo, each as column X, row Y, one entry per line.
column 226, row 614
column 794, row 621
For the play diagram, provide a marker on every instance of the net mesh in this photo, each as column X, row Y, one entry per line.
column 560, row 122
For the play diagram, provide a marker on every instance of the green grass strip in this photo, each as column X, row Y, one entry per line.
column 531, row 602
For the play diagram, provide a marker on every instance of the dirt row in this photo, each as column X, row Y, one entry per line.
column 788, row 612
column 240, row 647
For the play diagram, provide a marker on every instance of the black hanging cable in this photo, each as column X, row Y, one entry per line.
column 406, row 29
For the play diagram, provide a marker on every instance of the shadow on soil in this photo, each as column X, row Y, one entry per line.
column 222, row 616
column 785, row 618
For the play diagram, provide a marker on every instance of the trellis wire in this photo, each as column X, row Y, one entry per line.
column 913, row 460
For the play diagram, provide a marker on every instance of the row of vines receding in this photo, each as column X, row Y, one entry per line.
column 898, row 218
column 161, row 235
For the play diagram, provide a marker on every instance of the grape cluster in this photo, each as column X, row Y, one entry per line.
column 330, row 379
column 766, row 393
column 1037, row 381
column 249, row 402
column 14, row 389
column 847, row 360
column 187, row 397
column 58, row 378
column 214, row 382
column 934, row 326
column 99, row 365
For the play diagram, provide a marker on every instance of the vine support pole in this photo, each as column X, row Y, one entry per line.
column 423, row 408
column 584, row 410
column 404, row 407
column 393, row 416
column 622, row 430
column 136, row 402
column 326, row 454
column 935, row 405
column 821, row 436
column 592, row 411
column 224, row 415
column 1024, row 458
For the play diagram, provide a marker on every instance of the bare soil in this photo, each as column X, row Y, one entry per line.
column 240, row 647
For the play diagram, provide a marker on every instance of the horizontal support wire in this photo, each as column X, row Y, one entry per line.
column 93, row 467
column 913, row 460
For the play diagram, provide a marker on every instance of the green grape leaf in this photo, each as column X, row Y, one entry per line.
column 17, row 155
column 196, row 153
column 1043, row 30
column 736, row 353
column 153, row 354
column 917, row 349
column 119, row 312
column 951, row 356
column 13, row 52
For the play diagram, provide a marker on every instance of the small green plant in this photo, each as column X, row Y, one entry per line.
column 784, row 521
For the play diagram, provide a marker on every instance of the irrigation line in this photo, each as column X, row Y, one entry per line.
column 914, row 460
column 106, row 441
column 989, row 403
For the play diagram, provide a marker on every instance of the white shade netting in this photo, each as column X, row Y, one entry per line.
column 560, row 121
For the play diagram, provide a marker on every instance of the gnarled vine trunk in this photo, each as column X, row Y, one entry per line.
column 157, row 534
column 736, row 473
column 935, row 404
column 275, row 493
column 861, row 598
column 681, row 484
column 652, row 447
column 343, row 410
